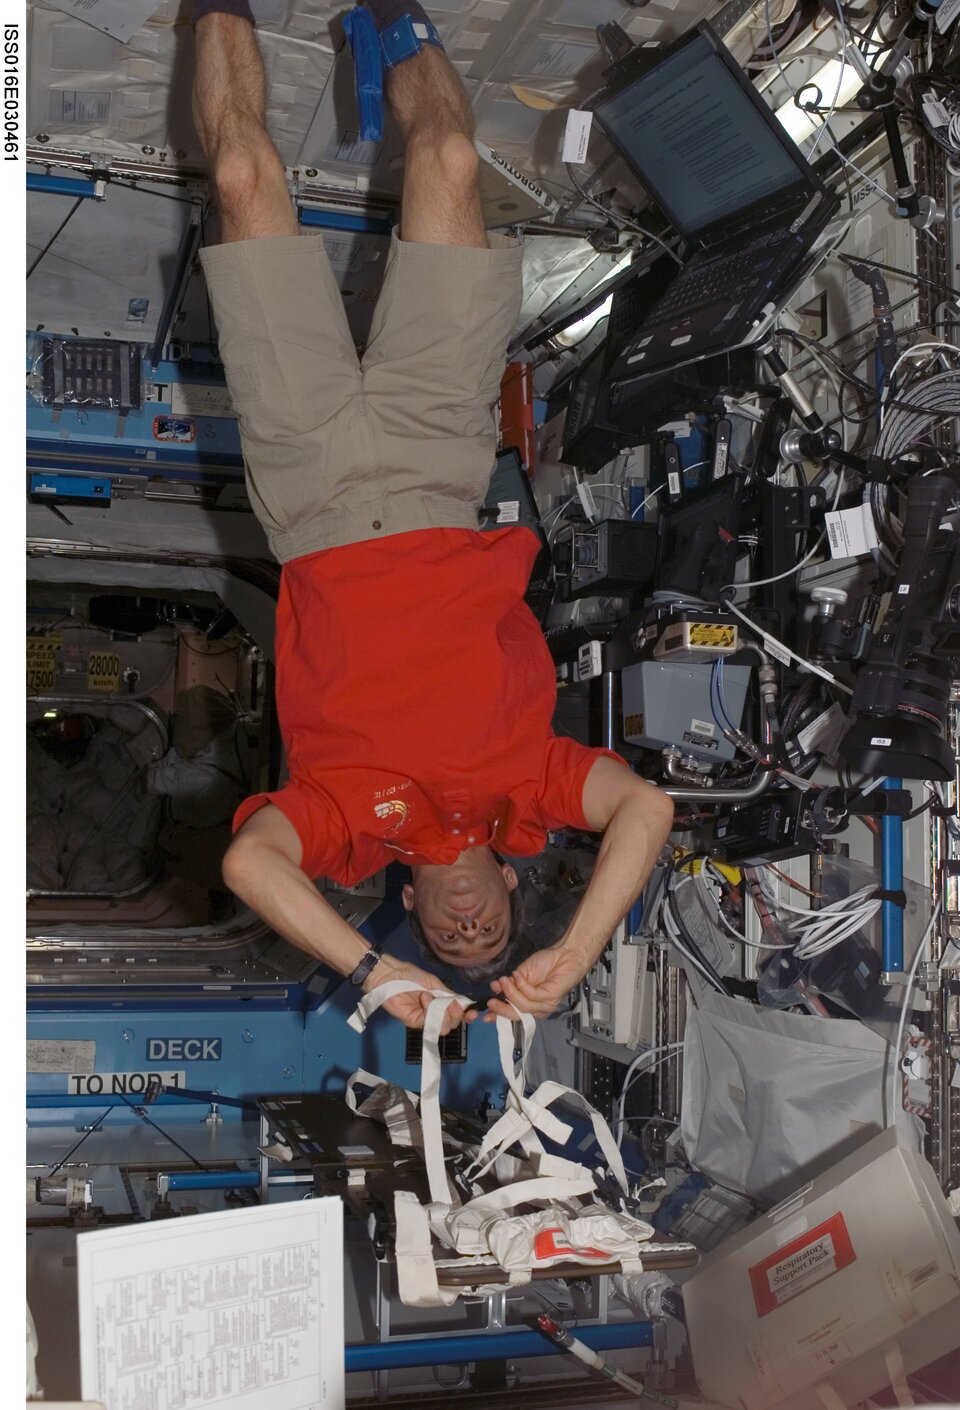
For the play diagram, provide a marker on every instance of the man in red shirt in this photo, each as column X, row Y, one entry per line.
column 414, row 688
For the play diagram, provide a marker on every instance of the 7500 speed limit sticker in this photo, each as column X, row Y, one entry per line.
column 42, row 662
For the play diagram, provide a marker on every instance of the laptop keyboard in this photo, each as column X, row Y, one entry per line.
column 723, row 279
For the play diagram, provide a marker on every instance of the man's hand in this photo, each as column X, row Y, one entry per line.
column 411, row 1009
column 538, row 984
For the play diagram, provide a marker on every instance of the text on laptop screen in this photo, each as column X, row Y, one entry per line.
column 696, row 140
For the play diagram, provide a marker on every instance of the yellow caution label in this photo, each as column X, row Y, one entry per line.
column 103, row 671
column 712, row 634
column 42, row 662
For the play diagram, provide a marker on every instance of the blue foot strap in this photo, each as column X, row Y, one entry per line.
column 361, row 31
column 406, row 37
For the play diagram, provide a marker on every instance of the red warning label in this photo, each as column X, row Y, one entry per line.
column 545, row 1246
column 802, row 1264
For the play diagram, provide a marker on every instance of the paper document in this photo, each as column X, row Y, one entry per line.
column 119, row 18
column 234, row 1310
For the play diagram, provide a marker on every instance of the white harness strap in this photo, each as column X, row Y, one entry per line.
column 395, row 1107
column 441, row 1190
column 416, row 1270
column 466, row 1228
column 371, row 1002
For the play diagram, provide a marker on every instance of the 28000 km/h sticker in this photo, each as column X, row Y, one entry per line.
column 103, row 671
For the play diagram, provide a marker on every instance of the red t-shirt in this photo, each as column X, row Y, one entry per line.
column 415, row 694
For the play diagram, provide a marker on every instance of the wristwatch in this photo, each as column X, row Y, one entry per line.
column 367, row 965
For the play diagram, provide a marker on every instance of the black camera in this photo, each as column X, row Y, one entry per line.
column 902, row 691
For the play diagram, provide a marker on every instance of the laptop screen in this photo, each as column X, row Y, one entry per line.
column 696, row 138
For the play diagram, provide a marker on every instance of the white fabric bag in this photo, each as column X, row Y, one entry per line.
column 771, row 1099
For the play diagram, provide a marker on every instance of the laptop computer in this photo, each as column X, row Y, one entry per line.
column 716, row 160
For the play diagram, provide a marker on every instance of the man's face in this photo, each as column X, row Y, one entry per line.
column 464, row 909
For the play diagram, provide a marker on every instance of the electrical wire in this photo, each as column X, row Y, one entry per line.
column 904, row 1008
column 935, row 399
column 836, row 97
column 936, row 348
column 669, row 1050
column 620, row 220
column 56, row 234
column 894, row 269
column 789, row 572
column 557, row 513
column 731, row 929
column 652, row 495
column 779, row 649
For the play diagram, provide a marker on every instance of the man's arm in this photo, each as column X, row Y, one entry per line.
column 635, row 819
column 261, row 866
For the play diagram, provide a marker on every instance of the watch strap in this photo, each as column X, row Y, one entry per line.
column 367, row 965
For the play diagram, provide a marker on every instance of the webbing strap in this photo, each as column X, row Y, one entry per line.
column 416, row 1270
column 546, row 1187
column 396, row 1107
column 369, row 1004
column 441, row 1190
column 893, row 1358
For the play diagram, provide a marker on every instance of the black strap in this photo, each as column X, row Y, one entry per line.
column 368, row 964
column 897, row 898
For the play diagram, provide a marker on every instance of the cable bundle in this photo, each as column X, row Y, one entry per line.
column 932, row 400
column 820, row 930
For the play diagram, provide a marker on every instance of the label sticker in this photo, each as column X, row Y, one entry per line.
column 851, row 532
column 712, row 634
column 61, row 1055
column 42, row 661
column 881, row 741
column 673, row 482
column 825, row 732
column 934, row 111
column 703, row 727
column 550, row 1243
column 508, row 511
column 67, row 105
column 778, row 652
column 577, row 136
column 98, row 1084
column 946, row 15
column 801, row 1265
column 103, row 671
column 199, row 399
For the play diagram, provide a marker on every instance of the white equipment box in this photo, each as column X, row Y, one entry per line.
column 834, row 1294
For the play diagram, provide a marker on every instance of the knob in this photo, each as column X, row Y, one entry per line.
column 828, row 599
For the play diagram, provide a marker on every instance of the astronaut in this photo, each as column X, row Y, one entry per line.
column 414, row 689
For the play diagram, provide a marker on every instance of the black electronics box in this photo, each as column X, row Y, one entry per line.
column 772, row 830
column 637, row 406
column 615, row 556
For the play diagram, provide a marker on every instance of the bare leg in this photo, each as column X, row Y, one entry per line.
column 441, row 200
column 229, row 110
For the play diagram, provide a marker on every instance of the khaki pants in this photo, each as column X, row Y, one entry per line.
column 338, row 450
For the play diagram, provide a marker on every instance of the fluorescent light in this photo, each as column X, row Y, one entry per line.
column 801, row 125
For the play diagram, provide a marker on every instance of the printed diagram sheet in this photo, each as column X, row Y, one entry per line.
column 233, row 1310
